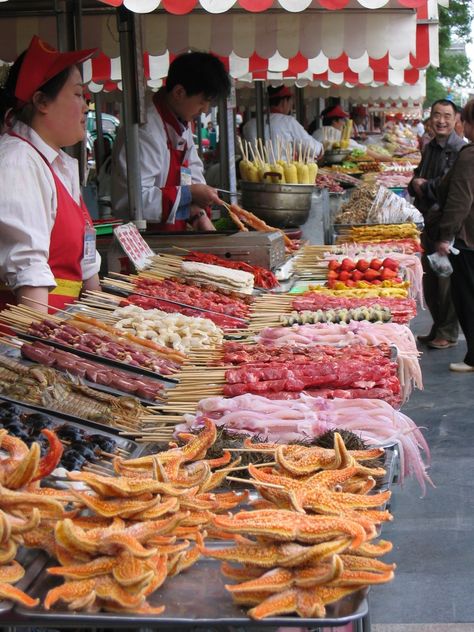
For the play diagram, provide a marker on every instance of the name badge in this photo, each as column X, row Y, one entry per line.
column 89, row 245
column 186, row 180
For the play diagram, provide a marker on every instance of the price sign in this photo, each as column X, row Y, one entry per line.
column 134, row 246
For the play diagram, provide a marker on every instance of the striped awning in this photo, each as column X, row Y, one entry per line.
column 182, row 7
column 103, row 69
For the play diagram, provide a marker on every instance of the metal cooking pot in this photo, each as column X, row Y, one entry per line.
column 279, row 205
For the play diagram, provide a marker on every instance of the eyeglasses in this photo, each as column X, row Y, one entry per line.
column 438, row 116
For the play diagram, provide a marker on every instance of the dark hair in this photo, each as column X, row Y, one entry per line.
column 21, row 111
column 199, row 73
column 467, row 113
column 377, row 121
column 329, row 120
column 444, row 102
column 273, row 98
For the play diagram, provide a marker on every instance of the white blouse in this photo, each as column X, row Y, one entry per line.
column 285, row 129
column 28, row 204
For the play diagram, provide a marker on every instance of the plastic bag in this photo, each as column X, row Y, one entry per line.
column 440, row 264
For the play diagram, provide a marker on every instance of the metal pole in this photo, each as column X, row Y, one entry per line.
column 299, row 106
column 131, row 59
column 223, row 143
column 99, row 145
column 198, row 125
column 259, row 110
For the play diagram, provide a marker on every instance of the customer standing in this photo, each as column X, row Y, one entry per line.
column 47, row 240
column 456, row 194
column 438, row 157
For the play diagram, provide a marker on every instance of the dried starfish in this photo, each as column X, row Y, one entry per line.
column 18, row 596
column 12, row 573
column 129, row 571
column 25, row 469
column 283, row 525
column 335, row 503
column 268, row 555
column 280, row 579
column 23, row 500
column 117, row 507
column 69, row 592
column 88, row 570
column 371, row 549
column 241, row 573
column 183, row 560
column 312, row 459
column 306, row 602
column 125, row 487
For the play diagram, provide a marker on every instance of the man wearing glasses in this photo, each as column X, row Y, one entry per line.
column 438, row 157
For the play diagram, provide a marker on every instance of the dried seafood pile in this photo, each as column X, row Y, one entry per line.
column 50, row 389
column 139, row 529
column 22, row 506
column 310, row 542
column 132, row 531
column 356, row 210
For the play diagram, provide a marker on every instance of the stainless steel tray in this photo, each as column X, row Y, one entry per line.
column 33, row 561
column 197, row 597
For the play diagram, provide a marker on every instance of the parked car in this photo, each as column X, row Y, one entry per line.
column 110, row 125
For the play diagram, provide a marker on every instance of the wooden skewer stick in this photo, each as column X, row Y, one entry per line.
column 250, row 481
column 245, row 467
column 250, row 450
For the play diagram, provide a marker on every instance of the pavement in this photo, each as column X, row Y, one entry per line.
column 433, row 536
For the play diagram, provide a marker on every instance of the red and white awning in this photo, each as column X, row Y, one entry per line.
column 336, row 47
column 103, row 69
column 181, row 7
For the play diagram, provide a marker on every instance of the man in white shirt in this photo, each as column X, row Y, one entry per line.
column 283, row 129
column 174, row 192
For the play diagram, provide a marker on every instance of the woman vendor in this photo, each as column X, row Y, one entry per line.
column 334, row 120
column 174, row 191
column 47, row 240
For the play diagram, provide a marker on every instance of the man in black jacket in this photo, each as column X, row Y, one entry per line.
column 438, row 157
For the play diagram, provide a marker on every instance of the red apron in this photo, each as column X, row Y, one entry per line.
column 66, row 245
column 173, row 180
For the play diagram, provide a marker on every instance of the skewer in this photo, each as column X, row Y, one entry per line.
column 250, row 481
column 249, row 450
column 245, row 467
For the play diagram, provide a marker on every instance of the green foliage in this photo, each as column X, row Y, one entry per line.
column 453, row 72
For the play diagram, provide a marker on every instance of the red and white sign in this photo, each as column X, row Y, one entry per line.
column 134, row 246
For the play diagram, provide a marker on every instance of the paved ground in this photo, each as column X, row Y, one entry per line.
column 434, row 536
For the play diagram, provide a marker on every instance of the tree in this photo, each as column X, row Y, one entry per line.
column 453, row 72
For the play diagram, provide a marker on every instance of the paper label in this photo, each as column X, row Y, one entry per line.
column 134, row 246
